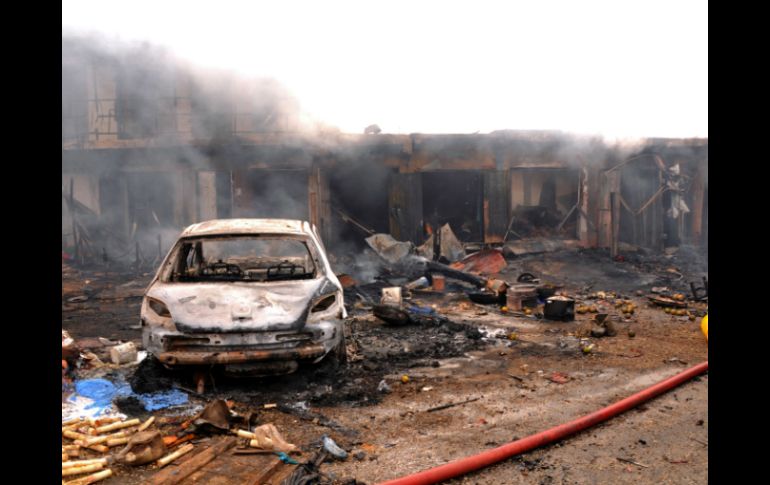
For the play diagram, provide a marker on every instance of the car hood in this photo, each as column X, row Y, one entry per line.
column 240, row 307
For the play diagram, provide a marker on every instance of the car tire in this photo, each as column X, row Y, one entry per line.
column 150, row 376
column 338, row 357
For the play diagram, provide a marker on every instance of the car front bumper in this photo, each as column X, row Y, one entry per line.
column 190, row 357
column 175, row 348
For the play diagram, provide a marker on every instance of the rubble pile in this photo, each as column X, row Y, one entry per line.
column 124, row 414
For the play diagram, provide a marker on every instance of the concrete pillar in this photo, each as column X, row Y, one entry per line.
column 207, row 195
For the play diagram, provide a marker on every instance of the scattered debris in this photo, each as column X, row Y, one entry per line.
column 142, row 448
column 389, row 249
column 420, row 282
column 391, row 314
column 331, row 447
column 123, row 353
column 391, row 297
column 486, row 261
column 676, row 360
column 558, row 378
column 559, row 308
column 383, row 387
column 667, row 302
column 429, row 321
column 524, row 247
column 633, row 462
column 451, row 405
column 267, row 437
column 438, row 282
column 704, row 443
column 308, row 472
column 451, row 248
column 98, row 476
column 175, row 455
column 519, row 296
column 216, row 415
column 346, row 281
column 175, row 475
column 484, row 297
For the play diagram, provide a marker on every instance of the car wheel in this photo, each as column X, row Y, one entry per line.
column 150, row 376
column 338, row 357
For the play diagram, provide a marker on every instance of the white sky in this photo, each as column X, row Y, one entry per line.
column 617, row 68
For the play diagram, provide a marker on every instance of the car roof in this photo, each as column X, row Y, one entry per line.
column 247, row 226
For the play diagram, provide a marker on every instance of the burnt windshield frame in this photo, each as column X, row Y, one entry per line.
column 184, row 246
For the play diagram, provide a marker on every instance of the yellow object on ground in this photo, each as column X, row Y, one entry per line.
column 704, row 326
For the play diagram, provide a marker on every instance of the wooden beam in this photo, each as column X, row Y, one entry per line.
column 615, row 222
column 496, row 201
column 698, row 192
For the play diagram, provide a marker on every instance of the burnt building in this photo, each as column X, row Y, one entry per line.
column 151, row 145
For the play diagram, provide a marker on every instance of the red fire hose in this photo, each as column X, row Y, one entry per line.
column 486, row 458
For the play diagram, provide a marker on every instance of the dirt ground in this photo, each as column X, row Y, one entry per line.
column 515, row 368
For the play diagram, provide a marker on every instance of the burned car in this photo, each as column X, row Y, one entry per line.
column 256, row 296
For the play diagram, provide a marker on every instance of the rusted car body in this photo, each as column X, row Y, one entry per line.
column 255, row 295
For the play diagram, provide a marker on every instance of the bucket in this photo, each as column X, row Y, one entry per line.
column 563, row 308
column 123, row 353
column 439, row 282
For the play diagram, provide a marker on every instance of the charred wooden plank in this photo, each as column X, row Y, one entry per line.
column 171, row 476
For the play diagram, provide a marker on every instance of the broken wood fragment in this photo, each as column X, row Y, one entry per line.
column 117, row 441
column 245, row 434
column 173, row 476
column 451, row 405
column 146, row 424
column 251, row 451
column 633, row 462
column 98, row 440
column 173, row 456
column 91, row 478
column 102, row 421
column 80, row 463
column 74, row 426
column 82, row 440
column 77, row 470
column 456, row 274
column 267, row 437
column 172, row 441
column 114, row 426
column 74, row 435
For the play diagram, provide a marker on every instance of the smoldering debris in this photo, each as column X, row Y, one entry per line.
column 375, row 350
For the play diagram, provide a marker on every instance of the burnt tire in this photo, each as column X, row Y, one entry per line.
column 150, row 376
column 338, row 357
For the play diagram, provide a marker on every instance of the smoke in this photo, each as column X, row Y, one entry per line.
column 363, row 264
column 166, row 116
column 194, row 143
